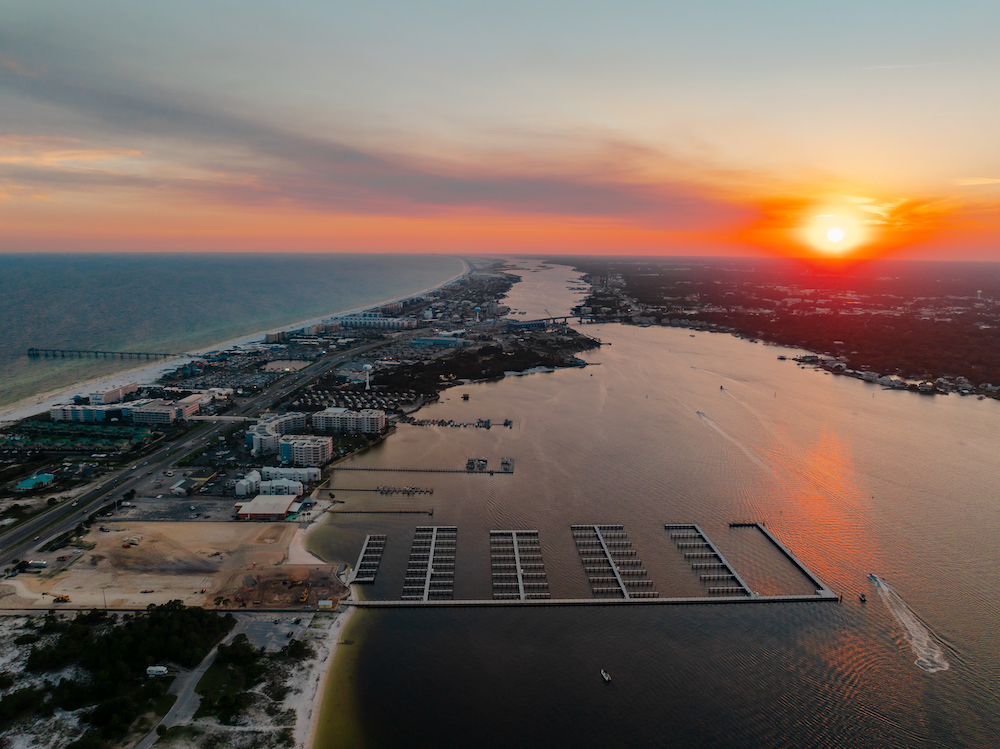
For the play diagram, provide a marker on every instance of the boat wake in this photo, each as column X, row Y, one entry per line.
column 743, row 448
column 930, row 656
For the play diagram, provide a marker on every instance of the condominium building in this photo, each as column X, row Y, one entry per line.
column 80, row 413
column 248, row 485
column 262, row 438
column 376, row 321
column 114, row 395
column 305, row 475
column 343, row 421
column 305, row 450
column 281, row 487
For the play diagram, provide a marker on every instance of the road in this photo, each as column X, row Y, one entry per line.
column 19, row 542
column 183, row 686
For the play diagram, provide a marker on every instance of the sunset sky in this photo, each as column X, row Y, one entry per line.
column 711, row 128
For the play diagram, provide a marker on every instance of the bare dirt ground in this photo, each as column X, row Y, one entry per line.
column 193, row 562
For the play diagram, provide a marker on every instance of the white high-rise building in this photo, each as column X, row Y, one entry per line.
column 343, row 421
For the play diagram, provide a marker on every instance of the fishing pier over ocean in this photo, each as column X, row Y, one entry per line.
column 64, row 353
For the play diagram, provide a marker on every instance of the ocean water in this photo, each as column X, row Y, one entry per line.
column 176, row 303
column 710, row 429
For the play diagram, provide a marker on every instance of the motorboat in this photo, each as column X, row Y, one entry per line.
column 863, row 598
column 605, row 675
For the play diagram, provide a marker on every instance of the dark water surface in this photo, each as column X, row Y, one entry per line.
column 852, row 478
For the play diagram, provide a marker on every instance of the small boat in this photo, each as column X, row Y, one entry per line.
column 605, row 675
column 863, row 599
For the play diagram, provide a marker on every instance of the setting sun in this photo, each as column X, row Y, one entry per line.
column 834, row 233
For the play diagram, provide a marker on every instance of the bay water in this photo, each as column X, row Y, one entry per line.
column 674, row 426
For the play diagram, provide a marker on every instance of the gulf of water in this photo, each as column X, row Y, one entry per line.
column 175, row 303
column 710, row 429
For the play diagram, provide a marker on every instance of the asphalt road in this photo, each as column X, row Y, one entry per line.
column 19, row 542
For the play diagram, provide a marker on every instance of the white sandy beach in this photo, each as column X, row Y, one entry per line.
column 149, row 373
column 317, row 681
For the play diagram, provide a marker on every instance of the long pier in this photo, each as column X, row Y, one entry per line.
column 699, row 600
column 382, row 512
column 63, row 353
column 821, row 588
column 390, row 490
column 490, row 472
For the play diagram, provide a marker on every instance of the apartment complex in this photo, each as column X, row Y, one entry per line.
column 114, row 395
column 343, row 421
column 305, row 450
column 262, row 438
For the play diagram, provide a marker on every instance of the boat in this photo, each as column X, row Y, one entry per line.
column 605, row 675
column 863, row 599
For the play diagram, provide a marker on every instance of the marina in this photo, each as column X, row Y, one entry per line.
column 516, row 566
column 693, row 542
column 610, row 562
column 368, row 561
column 430, row 571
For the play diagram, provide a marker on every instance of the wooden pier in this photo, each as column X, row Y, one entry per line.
column 821, row 588
column 516, row 566
column 491, row 472
column 430, row 571
column 63, row 353
column 609, row 561
column 389, row 490
column 695, row 601
column 368, row 561
column 382, row 512
column 692, row 540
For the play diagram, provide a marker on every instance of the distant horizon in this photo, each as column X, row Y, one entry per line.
column 808, row 259
column 719, row 129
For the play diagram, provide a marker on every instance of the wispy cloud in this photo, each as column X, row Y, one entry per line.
column 972, row 181
column 898, row 67
column 236, row 160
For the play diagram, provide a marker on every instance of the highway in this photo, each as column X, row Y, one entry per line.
column 22, row 540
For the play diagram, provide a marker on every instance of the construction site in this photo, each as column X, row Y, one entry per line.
column 131, row 565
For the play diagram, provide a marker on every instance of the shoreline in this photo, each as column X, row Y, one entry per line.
column 40, row 402
column 323, row 683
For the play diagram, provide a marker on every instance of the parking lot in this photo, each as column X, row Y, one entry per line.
column 171, row 508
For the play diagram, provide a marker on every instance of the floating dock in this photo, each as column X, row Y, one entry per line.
column 368, row 561
column 516, row 565
column 711, row 565
column 821, row 589
column 388, row 490
column 610, row 562
column 382, row 512
column 430, row 571
column 491, row 472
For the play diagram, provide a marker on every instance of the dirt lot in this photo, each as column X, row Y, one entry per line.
column 193, row 562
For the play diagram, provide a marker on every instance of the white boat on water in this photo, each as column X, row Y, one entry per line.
column 605, row 675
